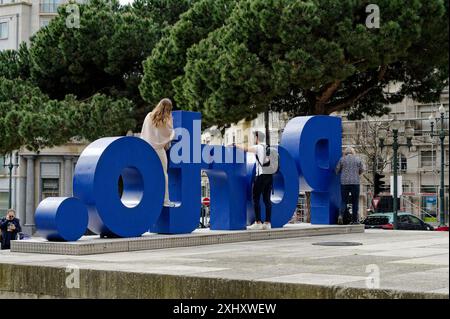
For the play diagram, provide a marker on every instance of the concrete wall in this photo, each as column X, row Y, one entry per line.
column 47, row 282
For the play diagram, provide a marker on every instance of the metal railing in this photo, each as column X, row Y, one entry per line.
column 300, row 215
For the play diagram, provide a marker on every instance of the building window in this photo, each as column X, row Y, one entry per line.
column 407, row 187
column 427, row 158
column 239, row 136
column 260, row 120
column 49, row 6
column 4, row 202
column 50, row 180
column 274, row 138
column 50, row 188
column 4, row 30
column 381, row 164
column 402, row 163
column 275, row 120
column 424, row 125
column 428, row 189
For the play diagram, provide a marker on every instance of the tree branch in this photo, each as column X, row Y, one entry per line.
column 325, row 97
column 366, row 88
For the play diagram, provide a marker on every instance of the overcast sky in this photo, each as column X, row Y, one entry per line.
column 125, row 1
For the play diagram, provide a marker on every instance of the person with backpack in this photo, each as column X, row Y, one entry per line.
column 263, row 182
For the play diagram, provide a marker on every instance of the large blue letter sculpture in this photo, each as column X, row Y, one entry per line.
column 309, row 151
column 227, row 179
column 61, row 218
column 96, row 184
column 315, row 144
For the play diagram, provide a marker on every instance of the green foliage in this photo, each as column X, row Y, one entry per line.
column 30, row 118
column 167, row 61
column 305, row 57
column 73, row 60
column 81, row 82
column 164, row 12
column 105, row 53
column 15, row 64
column 229, row 59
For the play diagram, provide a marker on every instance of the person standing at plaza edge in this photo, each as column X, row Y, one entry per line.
column 350, row 167
column 10, row 227
column 158, row 131
column 263, row 183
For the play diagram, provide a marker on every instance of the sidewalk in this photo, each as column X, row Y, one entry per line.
column 410, row 264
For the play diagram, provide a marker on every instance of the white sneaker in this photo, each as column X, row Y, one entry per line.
column 170, row 204
column 267, row 226
column 256, row 226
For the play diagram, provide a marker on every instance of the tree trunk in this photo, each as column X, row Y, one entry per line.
column 266, row 123
column 307, row 217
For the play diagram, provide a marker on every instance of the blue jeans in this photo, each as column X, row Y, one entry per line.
column 346, row 191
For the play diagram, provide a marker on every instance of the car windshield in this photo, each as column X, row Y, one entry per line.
column 377, row 220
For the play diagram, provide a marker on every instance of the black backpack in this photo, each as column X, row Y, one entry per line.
column 268, row 163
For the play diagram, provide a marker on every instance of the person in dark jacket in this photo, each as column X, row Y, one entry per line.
column 10, row 227
column 350, row 167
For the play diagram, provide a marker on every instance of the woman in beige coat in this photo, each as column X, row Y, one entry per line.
column 158, row 131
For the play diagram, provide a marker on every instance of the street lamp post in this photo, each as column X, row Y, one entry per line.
column 10, row 166
column 409, row 133
column 441, row 136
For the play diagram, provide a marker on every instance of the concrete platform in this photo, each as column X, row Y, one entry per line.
column 388, row 264
column 90, row 245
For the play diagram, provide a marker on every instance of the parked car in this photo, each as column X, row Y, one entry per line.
column 406, row 221
column 442, row 228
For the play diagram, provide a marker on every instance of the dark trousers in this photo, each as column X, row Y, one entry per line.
column 6, row 239
column 262, row 186
column 346, row 191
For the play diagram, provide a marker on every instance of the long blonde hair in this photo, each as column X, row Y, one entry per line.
column 161, row 113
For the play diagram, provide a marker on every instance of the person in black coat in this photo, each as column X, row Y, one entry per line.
column 10, row 227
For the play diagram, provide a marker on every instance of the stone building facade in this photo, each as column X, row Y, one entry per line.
column 419, row 166
column 20, row 19
column 48, row 173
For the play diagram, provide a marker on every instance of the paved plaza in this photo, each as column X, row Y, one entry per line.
column 393, row 261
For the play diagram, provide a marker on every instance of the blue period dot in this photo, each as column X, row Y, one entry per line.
column 61, row 219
